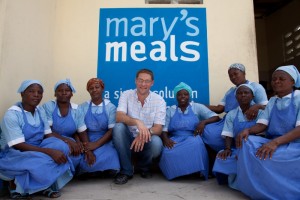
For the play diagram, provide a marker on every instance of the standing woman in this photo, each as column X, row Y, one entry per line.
column 99, row 116
column 268, row 168
column 237, row 75
column 65, row 120
column 235, row 122
column 184, row 152
column 30, row 158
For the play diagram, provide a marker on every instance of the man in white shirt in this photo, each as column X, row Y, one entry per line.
column 140, row 118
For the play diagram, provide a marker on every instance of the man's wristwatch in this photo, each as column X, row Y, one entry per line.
column 151, row 131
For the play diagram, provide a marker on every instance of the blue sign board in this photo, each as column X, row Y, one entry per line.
column 172, row 42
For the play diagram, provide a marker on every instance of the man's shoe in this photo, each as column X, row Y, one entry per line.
column 121, row 179
column 146, row 174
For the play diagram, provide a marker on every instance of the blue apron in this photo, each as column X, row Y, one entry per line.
column 97, row 123
column 106, row 155
column 66, row 127
column 33, row 134
column 229, row 166
column 174, row 162
column 63, row 125
column 282, row 121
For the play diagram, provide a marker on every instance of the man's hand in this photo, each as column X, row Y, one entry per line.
column 143, row 132
column 137, row 144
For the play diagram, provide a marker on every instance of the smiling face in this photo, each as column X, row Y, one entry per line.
column 143, row 83
column 183, row 98
column 32, row 96
column 282, row 83
column 236, row 76
column 244, row 95
column 63, row 93
column 95, row 90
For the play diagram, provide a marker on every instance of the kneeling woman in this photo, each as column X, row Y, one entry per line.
column 184, row 152
column 29, row 158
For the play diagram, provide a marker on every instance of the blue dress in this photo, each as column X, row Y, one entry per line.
column 66, row 127
column 189, row 154
column 34, row 171
column 276, row 178
column 212, row 132
column 106, row 155
column 229, row 166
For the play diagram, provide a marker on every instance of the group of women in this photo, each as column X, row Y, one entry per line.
column 43, row 147
column 264, row 159
column 257, row 141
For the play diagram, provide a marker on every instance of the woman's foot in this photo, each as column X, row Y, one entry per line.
column 51, row 193
column 15, row 195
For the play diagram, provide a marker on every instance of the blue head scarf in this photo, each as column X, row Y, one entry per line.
column 25, row 84
column 183, row 86
column 246, row 85
column 238, row 66
column 293, row 72
column 67, row 82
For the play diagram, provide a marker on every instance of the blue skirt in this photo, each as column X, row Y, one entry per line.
column 106, row 158
column 212, row 135
column 74, row 159
column 227, row 167
column 276, row 178
column 35, row 171
column 187, row 156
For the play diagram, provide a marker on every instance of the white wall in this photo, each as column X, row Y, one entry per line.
column 54, row 39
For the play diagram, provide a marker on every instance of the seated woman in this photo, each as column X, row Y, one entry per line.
column 99, row 116
column 235, row 122
column 180, row 136
column 212, row 132
column 268, row 168
column 30, row 158
column 65, row 120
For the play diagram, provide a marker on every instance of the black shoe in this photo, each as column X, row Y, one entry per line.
column 121, row 179
column 110, row 173
column 146, row 174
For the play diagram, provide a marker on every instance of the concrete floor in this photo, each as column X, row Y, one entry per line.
column 156, row 188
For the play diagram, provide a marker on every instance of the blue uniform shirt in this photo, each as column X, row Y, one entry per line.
column 13, row 123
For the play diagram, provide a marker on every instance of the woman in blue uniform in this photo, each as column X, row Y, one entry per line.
column 235, row 122
column 268, row 168
column 99, row 117
column 30, row 158
column 184, row 152
column 237, row 74
column 65, row 120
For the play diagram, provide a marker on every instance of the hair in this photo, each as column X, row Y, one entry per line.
column 94, row 80
column 146, row 71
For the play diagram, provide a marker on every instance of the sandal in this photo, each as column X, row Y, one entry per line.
column 51, row 193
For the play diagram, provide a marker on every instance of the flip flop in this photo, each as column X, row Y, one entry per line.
column 51, row 193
